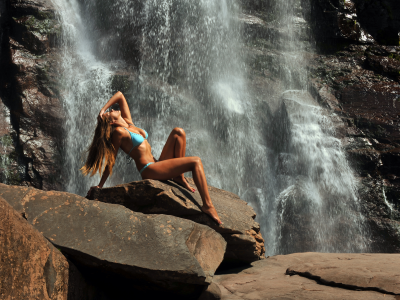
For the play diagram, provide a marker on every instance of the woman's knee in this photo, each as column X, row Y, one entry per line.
column 179, row 131
column 196, row 160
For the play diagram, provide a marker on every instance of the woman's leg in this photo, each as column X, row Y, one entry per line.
column 172, row 168
column 175, row 147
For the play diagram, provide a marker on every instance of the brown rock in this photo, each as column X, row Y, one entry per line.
column 268, row 279
column 378, row 272
column 363, row 79
column 241, row 232
column 30, row 266
column 29, row 91
column 383, row 64
column 213, row 292
column 155, row 252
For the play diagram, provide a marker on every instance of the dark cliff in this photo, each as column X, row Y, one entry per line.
column 30, row 110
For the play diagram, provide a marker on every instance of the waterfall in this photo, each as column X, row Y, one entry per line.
column 316, row 207
column 84, row 86
column 181, row 64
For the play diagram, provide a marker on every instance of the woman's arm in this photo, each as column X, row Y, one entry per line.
column 123, row 105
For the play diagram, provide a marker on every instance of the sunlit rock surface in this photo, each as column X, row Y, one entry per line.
column 314, row 276
column 242, row 234
column 31, row 267
column 153, row 252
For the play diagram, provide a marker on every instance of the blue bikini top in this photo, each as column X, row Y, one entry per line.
column 136, row 138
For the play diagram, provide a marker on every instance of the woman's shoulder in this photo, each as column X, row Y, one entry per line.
column 119, row 131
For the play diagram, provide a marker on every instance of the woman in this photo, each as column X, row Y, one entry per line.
column 115, row 130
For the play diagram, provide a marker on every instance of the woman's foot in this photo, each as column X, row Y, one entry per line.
column 182, row 182
column 212, row 212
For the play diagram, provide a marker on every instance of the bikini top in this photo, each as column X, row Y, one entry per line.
column 136, row 138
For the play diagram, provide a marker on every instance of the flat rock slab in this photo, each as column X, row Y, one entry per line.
column 380, row 272
column 270, row 279
column 172, row 253
column 30, row 266
column 241, row 232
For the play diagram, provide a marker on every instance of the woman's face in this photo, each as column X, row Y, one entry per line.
column 113, row 115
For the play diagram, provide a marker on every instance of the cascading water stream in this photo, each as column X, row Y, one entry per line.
column 84, row 83
column 181, row 65
column 316, row 208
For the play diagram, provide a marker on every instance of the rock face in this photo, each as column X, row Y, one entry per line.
column 241, row 232
column 152, row 251
column 315, row 276
column 381, row 18
column 31, row 267
column 31, row 113
column 354, row 21
column 335, row 22
column 359, row 85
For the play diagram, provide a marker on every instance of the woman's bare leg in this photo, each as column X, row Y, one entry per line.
column 175, row 147
column 172, row 168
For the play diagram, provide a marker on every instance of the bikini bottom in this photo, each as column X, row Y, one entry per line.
column 145, row 167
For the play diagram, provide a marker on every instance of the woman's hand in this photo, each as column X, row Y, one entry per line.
column 91, row 190
column 101, row 113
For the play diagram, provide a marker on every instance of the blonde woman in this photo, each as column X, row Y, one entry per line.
column 115, row 130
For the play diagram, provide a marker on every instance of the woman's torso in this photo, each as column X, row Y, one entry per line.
column 141, row 153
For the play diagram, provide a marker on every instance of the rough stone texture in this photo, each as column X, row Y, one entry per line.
column 155, row 251
column 241, row 232
column 381, row 18
column 213, row 292
column 335, row 22
column 337, row 276
column 357, row 271
column 31, row 267
column 29, row 95
column 359, row 84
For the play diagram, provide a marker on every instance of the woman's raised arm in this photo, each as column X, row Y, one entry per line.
column 123, row 105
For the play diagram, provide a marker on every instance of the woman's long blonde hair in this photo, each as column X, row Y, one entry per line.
column 100, row 149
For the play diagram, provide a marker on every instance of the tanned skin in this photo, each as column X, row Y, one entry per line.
column 172, row 163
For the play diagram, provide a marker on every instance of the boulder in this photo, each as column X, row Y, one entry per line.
column 31, row 267
column 377, row 272
column 315, row 276
column 155, row 252
column 241, row 232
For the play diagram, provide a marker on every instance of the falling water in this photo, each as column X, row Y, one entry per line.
column 179, row 63
column 84, row 85
column 316, row 206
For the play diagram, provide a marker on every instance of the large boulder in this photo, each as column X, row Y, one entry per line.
column 152, row 252
column 31, row 267
column 315, row 276
column 241, row 232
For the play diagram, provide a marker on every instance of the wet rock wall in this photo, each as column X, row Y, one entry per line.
column 30, row 110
